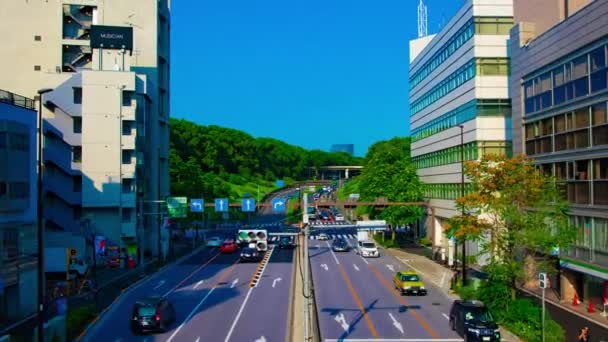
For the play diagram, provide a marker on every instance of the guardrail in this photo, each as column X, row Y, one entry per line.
column 16, row 100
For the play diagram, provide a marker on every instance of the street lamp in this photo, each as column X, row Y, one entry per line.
column 41, row 282
column 464, row 251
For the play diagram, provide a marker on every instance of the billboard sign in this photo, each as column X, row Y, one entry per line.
column 111, row 37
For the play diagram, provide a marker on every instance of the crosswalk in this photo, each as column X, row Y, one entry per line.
column 335, row 236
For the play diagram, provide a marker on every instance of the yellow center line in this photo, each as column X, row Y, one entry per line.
column 359, row 303
column 391, row 289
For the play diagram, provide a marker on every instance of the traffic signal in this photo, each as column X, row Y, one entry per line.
column 257, row 236
column 543, row 282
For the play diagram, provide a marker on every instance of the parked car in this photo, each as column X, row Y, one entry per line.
column 250, row 254
column 214, row 241
column 408, row 282
column 340, row 245
column 323, row 237
column 473, row 321
column 152, row 314
column 228, row 246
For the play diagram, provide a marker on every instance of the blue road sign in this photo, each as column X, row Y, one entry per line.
column 197, row 205
column 279, row 205
column 280, row 183
column 221, row 205
column 248, row 205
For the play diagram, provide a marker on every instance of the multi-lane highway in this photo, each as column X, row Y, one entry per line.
column 356, row 300
column 216, row 298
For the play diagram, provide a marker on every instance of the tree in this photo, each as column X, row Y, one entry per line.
column 513, row 210
column 389, row 172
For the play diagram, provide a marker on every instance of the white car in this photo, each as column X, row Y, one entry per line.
column 214, row 242
column 339, row 218
column 367, row 249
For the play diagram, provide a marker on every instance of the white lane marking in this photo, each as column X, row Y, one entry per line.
column 446, row 316
column 332, row 252
column 274, row 282
column 234, row 282
column 238, row 315
column 119, row 340
column 198, row 284
column 325, row 267
column 396, row 323
column 391, row 268
column 355, row 266
column 160, row 283
column 364, row 260
column 261, row 339
column 198, row 339
column 190, row 314
column 342, row 321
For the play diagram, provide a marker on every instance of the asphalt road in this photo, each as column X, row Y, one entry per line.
column 213, row 300
column 356, row 300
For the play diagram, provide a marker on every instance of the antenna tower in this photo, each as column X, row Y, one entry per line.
column 422, row 20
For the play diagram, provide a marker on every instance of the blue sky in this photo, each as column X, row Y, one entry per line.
column 311, row 73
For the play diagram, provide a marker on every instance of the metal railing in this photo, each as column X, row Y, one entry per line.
column 16, row 100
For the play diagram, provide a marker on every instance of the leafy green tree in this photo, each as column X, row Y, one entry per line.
column 514, row 211
column 389, row 173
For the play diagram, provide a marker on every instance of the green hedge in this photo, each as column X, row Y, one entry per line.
column 78, row 318
column 426, row 242
column 387, row 243
column 520, row 316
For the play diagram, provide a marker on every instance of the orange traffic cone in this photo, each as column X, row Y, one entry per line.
column 575, row 301
column 590, row 309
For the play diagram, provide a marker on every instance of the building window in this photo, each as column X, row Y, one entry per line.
column 128, row 127
column 127, row 214
column 127, row 98
column 128, row 185
column 493, row 26
column 77, row 184
column 18, row 190
column 37, row 38
column 37, row 68
column 3, row 190
column 493, row 66
column 3, row 142
column 18, row 142
column 77, row 124
column 77, row 154
column 10, row 242
column 127, row 156
column 77, row 213
column 77, row 95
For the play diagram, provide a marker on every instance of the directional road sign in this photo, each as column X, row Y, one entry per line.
column 177, row 206
column 221, row 205
column 279, row 205
column 248, row 205
column 197, row 205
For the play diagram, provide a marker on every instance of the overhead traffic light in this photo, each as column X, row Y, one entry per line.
column 257, row 236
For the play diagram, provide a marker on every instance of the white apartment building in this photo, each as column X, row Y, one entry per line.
column 459, row 99
column 106, row 120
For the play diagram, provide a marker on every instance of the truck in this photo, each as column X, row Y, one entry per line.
column 362, row 235
column 64, row 260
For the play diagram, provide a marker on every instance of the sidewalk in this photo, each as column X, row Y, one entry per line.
column 437, row 274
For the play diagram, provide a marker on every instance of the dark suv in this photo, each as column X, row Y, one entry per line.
column 472, row 320
column 152, row 314
column 286, row 242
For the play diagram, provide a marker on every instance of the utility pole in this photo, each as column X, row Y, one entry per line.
column 307, row 318
column 464, row 245
column 140, row 234
column 542, row 277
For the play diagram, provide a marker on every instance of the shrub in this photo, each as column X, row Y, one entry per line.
column 426, row 242
column 466, row 292
column 78, row 318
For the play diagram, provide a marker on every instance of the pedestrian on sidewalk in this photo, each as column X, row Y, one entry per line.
column 584, row 335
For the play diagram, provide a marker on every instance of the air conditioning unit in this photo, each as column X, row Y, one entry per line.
column 257, row 236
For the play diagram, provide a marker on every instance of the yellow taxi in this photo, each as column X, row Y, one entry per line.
column 408, row 282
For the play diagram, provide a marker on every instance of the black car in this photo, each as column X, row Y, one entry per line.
column 286, row 242
column 152, row 314
column 472, row 320
column 250, row 254
column 340, row 245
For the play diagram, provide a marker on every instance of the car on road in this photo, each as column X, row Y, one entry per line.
column 339, row 218
column 228, row 246
column 323, row 237
column 408, row 282
column 340, row 245
column 367, row 248
column 250, row 254
column 472, row 320
column 286, row 242
column 152, row 314
column 214, row 241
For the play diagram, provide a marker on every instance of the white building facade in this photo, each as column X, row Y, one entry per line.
column 459, row 100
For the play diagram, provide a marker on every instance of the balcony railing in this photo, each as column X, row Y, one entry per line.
column 16, row 100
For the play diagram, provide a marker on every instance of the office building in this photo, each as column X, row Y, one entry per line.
column 346, row 148
column 106, row 118
column 18, row 199
column 560, row 93
column 459, row 101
